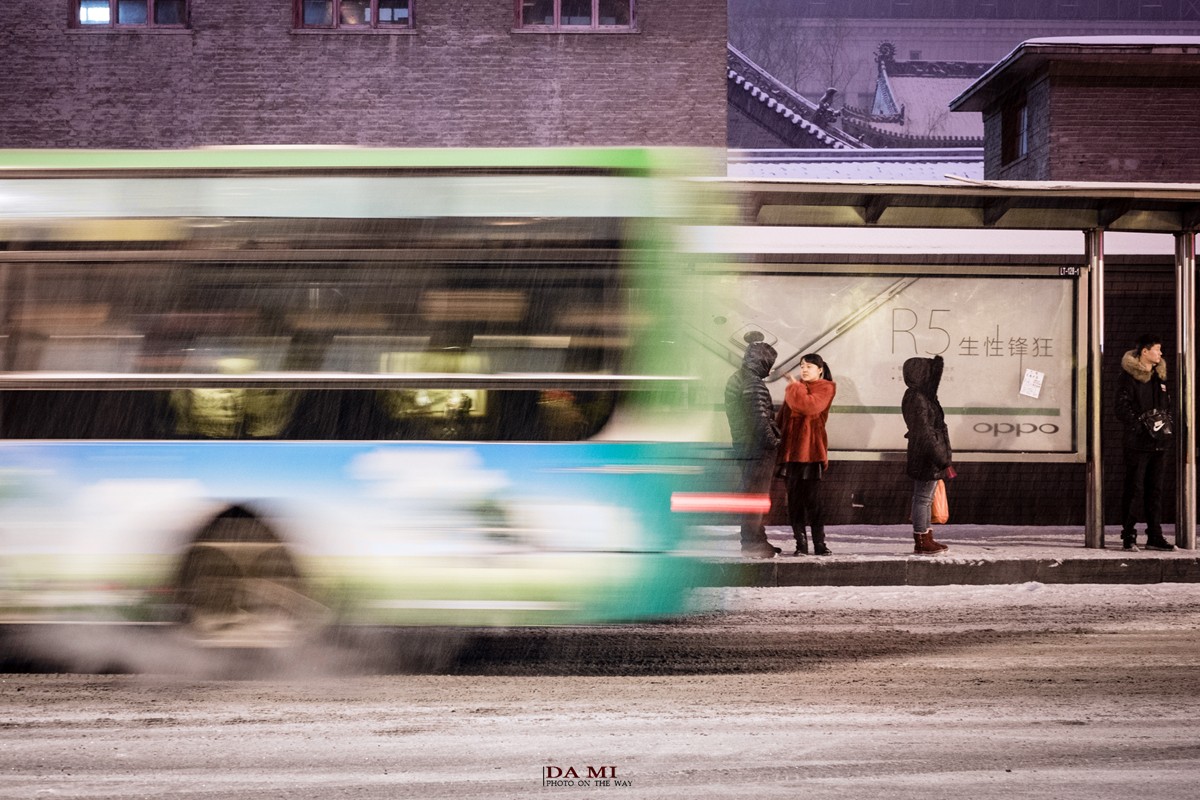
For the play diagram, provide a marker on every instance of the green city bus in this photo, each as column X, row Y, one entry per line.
column 253, row 392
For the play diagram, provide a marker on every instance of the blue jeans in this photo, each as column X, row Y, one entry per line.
column 921, row 503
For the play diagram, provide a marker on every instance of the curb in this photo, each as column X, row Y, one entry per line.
column 942, row 571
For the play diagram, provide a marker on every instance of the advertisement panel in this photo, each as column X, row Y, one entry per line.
column 1009, row 343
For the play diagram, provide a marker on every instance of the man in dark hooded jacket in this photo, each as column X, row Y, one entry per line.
column 929, row 451
column 755, row 436
column 1142, row 387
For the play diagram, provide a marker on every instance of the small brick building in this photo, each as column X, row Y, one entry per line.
column 183, row 73
column 1092, row 109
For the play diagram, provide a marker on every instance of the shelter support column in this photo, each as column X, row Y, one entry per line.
column 1185, row 436
column 1094, row 251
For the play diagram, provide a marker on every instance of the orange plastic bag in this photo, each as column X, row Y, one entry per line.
column 939, row 513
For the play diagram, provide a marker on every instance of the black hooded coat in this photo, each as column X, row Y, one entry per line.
column 748, row 404
column 1140, row 390
column 928, row 439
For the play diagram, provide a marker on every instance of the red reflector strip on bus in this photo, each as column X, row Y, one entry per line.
column 707, row 502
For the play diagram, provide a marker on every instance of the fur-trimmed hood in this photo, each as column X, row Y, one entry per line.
column 1132, row 365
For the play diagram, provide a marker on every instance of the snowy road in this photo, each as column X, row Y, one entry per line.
column 887, row 692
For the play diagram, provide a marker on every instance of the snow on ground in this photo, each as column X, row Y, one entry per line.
column 850, row 600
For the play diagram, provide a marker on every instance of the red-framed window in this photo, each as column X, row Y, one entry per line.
column 130, row 13
column 572, row 15
column 355, row 14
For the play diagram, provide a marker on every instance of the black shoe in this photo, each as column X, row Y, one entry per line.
column 1130, row 545
column 1159, row 543
column 760, row 550
column 800, row 552
column 822, row 550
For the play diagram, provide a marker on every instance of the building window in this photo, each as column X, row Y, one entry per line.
column 575, row 14
column 1014, row 132
column 355, row 14
column 128, row 13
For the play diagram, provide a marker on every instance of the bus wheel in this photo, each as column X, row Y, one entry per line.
column 239, row 587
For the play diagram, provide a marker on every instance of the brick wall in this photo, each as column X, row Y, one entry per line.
column 1104, row 128
column 1125, row 130
column 242, row 76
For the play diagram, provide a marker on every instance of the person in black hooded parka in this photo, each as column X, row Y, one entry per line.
column 929, row 452
column 755, row 436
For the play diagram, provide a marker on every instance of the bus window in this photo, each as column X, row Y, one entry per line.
column 438, row 299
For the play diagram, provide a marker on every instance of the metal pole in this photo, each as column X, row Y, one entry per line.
column 1094, row 250
column 1185, row 452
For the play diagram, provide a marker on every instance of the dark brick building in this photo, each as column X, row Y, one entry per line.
column 1091, row 109
column 438, row 73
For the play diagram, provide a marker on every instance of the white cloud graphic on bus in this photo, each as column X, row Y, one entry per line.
column 131, row 515
column 441, row 475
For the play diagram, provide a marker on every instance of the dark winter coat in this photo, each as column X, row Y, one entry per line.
column 748, row 404
column 1139, row 390
column 928, row 439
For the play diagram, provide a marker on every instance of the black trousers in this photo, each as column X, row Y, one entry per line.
column 805, row 507
column 1144, row 472
column 757, row 474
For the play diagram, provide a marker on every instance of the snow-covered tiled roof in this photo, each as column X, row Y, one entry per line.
column 926, row 103
column 915, row 164
column 912, row 101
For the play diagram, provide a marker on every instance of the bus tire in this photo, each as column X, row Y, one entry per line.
column 240, row 587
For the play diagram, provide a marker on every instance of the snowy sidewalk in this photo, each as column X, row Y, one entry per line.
column 881, row 555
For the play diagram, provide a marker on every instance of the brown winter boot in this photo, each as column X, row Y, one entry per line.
column 926, row 546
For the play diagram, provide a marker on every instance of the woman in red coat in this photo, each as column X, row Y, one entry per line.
column 804, row 450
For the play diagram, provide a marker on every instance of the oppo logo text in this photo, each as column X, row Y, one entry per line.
column 1015, row 428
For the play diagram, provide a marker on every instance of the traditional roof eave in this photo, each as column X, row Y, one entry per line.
column 761, row 87
column 878, row 137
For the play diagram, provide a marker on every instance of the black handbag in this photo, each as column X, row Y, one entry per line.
column 1158, row 424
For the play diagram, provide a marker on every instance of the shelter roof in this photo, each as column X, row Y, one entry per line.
column 964, row 203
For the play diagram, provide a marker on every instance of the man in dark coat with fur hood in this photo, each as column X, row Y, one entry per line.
column 751, row 416
column 1142, row 387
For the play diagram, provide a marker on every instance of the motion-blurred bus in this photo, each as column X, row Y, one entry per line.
column 252, row 392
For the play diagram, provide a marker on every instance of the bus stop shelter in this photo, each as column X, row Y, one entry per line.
column 1092, row 209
